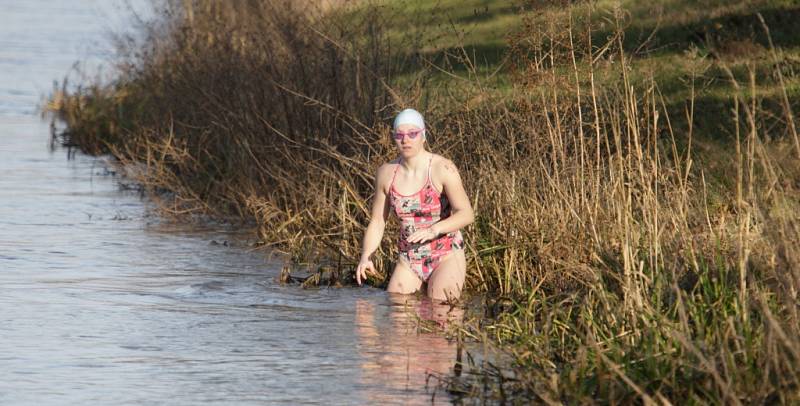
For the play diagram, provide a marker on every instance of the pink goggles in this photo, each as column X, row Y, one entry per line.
column 410, row 134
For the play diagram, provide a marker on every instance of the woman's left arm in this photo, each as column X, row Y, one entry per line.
column 461, row 214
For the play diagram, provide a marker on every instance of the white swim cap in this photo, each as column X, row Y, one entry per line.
column 409, row 116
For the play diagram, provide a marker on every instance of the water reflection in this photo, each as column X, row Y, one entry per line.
column 399, row 356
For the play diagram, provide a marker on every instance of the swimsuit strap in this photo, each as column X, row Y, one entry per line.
column 391, row 184
column 430, row 181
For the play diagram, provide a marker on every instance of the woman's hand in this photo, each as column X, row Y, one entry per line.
column 363, row 267
column 423, row 235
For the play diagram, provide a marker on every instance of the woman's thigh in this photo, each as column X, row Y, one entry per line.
column 447, row 280
column 403, row 280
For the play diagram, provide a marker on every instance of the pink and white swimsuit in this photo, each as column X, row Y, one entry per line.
column 421, row 210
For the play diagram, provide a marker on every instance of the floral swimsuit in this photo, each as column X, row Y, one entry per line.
column 417, row 211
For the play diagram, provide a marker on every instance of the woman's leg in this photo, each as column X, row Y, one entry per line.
column 448, row 278
column 403, row 280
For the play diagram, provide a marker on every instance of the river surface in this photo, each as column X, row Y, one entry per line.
column 102, row 302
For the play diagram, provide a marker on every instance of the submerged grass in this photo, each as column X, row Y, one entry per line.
column 636, row 192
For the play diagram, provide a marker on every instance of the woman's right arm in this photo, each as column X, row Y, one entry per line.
column 377, row 223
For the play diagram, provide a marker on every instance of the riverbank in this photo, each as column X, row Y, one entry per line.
column 634, row 171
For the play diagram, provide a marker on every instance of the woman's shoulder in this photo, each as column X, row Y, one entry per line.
column 388, row 167
column 443, row 171
column 386, row 171
column 442, row 165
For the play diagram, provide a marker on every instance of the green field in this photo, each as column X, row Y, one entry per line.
column 665, row 40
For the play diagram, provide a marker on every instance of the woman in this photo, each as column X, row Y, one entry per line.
column 425, row 192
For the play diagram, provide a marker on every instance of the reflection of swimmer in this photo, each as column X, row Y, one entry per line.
column 430, row 244
column 440, row 313
column 397, row 357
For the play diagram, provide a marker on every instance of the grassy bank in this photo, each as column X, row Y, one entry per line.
column 634, row 170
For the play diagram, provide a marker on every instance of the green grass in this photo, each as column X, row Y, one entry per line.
column 667, row 38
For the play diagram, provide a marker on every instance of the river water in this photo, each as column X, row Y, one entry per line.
column 102, row 302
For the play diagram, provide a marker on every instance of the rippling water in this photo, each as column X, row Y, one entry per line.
column 101, row 303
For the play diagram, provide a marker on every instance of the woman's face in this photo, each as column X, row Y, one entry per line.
column 410, row 139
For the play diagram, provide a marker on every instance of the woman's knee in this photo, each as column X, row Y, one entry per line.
column 445, row 290
column 403, row 280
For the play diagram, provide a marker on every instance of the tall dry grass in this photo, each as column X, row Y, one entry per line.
column 668, row 298
column 264, row 110
column 607, row 271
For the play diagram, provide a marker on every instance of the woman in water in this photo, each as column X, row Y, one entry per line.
column 425, row 192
